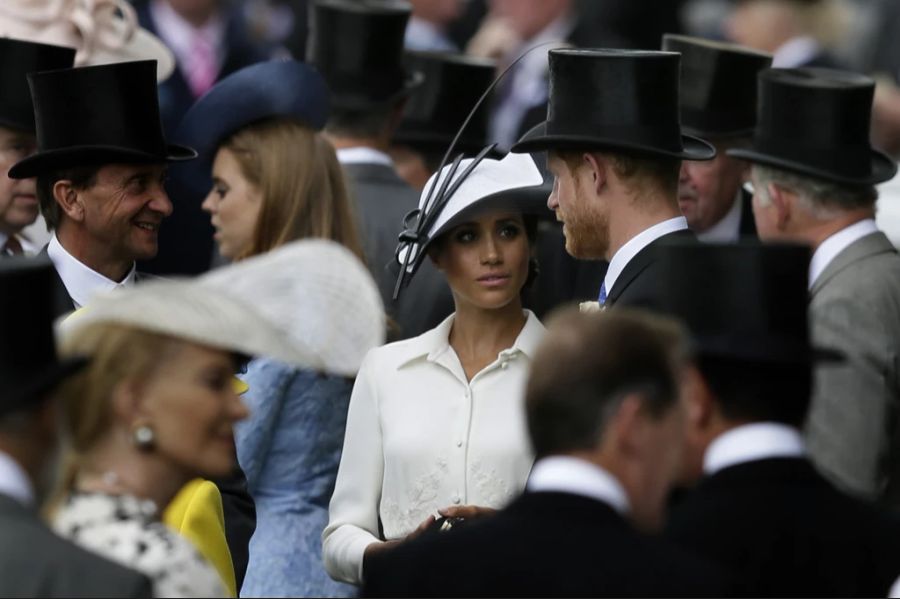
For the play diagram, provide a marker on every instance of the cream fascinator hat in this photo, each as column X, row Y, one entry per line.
column 309, row 303
column 102, row 31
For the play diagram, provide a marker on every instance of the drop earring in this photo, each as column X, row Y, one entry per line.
column 143, row 437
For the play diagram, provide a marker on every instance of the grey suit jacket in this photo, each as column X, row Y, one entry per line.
column 382, row 199
column 34, row 562
column 852, row 427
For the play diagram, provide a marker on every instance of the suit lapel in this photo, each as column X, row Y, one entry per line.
column 640, row 262
column 870, row 245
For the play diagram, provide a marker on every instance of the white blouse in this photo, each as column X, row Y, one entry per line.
column 420, row 437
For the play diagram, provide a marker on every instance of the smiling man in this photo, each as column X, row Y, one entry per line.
column 100, row 169
column 18, row 203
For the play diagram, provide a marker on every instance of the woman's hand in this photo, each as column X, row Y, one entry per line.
column 469, row 512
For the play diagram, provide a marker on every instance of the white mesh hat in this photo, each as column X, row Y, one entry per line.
column 318, row 293
column 310, row 303
column 101, row 31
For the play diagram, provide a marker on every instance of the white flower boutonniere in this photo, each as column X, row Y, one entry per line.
column 590, row 307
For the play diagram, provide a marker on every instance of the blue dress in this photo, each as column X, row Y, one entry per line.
column 290, row 448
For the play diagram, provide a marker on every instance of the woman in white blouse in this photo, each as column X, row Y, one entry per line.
column 436, row 423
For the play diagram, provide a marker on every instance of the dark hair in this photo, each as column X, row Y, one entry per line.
column 757, row 392
column 363, row 123
column 588, row 363
column 82, row 177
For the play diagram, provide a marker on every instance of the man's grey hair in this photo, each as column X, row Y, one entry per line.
column 823, row 198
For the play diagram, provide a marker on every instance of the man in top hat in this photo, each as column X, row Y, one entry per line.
column 615, row 150
column 761, row 508
column 605, row 419
column 813, row 176
column 451, row 85
column 34, row 562
column 18, row 202
column 369, row 88
column 718, row 103
column 100, row 169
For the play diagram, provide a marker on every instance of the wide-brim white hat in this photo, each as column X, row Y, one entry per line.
column 321, row 296
column 101, row 31
column 310, row 304
column 513, row 183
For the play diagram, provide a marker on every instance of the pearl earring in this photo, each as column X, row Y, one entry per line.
column 143, row 437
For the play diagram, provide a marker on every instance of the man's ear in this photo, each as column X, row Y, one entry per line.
column 597, row 167
column 68, row 199
column 627, row 427
column 782, row 201
column 698, row 399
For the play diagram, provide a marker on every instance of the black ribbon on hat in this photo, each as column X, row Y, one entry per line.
column 417, row 234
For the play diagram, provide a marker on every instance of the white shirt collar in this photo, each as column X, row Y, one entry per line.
column 363, row 155
column 572, row 475
column 727, row 230
column 837, row 243
column 634, row 245
column 795, row 52
column 436, row 342
column 14, row 482
column 81, row 281
column 751, row 442
column 180, row 35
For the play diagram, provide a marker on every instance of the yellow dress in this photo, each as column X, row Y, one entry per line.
column 196, row 513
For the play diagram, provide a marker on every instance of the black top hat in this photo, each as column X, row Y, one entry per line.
column 28, row 362
column 718, row 85
column 97, row 115
column 357, row 45
column 614, row 99
column 277, row 88
column 451, row 86
column 745, row 301
column 17, row 59
column 816, row 122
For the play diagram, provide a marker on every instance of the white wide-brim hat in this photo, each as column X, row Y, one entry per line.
column 101, row 31
column 318, row 293
column 310, row 303
column 513, row 183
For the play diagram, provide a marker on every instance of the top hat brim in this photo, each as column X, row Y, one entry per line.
column 62, row 158
column 360, row 100
column 20, row 396
column 537, row 140
column 883, row 166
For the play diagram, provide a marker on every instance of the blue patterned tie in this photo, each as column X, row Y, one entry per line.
column 602, row 298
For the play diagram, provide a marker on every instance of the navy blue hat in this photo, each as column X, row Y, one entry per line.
column 282, row 88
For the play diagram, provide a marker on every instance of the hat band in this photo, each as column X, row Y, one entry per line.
column 852, row 160
column 662, row 136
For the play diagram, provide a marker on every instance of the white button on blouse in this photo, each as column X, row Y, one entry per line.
column 411, row 410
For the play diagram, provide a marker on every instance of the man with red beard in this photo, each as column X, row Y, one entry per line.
column 100, row 169
column 718, row 103
column 18, row 203
column 615, row 150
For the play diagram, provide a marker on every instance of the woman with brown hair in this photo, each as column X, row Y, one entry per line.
column 276, row 179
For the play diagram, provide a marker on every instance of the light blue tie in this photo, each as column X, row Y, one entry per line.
column 602, row 298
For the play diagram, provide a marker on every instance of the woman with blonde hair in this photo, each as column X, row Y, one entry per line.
column 156, row 405
column 276, row 179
